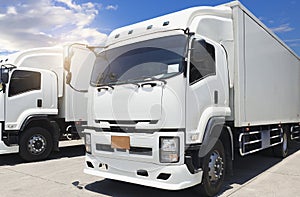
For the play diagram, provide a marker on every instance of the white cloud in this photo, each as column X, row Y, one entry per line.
column 30, row 23
column 266, row 20
column 293, row 42
column 70, row 4
column 11, row 10
column 111, row 7
column 282, row 28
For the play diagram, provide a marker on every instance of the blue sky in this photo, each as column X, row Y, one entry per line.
column 32, row 23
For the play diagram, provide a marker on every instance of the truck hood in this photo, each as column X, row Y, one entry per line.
column 128, row 102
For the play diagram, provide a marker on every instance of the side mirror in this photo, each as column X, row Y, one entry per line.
column 67, row 64
column 68, row 58
column 68, row 78
column 4, row 77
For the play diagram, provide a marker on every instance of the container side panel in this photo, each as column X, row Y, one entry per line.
column 272, row 78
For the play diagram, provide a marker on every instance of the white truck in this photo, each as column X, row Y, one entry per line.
column 172, row 98
column 43, row 98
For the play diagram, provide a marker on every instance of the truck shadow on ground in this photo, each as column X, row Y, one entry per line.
column 245, row 169
column 248, row 167
column 65, row 152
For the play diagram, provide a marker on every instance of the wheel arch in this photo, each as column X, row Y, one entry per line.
column 217, row 129
column 212, row 133
column 226, row 138
column 43, row 121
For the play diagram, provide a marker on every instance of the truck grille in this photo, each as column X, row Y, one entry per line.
column 133, row 150
column 116, row 129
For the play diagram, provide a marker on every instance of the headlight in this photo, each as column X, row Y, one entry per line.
column 88, row 147
column 169, row 149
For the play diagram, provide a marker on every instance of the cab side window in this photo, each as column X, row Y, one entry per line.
column 203, row 62
column 24, row 81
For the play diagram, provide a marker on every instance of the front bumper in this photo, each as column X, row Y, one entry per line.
column 141, row 164
column 170, row 177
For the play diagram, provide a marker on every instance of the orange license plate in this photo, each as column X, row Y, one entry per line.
column 120, row 142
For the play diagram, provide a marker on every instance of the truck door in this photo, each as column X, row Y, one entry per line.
column 207, row 87
column 22, row 96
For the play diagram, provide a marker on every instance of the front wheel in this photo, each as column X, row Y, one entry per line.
column 214, row 165
column 35, row 144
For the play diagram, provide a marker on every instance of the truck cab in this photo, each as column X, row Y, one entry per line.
column 149, row 88
column 172, row 97
column 43, row 98
column 26, row 92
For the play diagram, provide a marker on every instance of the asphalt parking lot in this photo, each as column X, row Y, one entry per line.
column 62, row 175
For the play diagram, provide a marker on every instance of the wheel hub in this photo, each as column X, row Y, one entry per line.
column 37, row 144
column 216, row 167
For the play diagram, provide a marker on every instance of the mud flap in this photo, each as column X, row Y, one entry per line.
column 56, row 135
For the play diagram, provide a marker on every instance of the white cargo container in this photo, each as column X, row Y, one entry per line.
column 172, row 97
column 42, row 98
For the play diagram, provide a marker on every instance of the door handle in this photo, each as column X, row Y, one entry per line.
column 39, row 103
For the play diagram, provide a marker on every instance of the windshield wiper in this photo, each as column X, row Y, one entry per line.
column 144, row 80
column 104, row 86
column 129, row 82
column 110, row 85
column 147, row 78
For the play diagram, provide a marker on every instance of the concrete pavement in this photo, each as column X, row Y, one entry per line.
column 263, row 175
column 62, row 175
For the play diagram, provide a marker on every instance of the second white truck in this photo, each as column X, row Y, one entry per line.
column 171, row 98
column 43, row 98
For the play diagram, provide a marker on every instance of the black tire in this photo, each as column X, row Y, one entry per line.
column 281, row 150
column 211, row 186
column 35, row 144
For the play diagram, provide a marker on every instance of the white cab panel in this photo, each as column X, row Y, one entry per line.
column 128, row 102
column 50, row 58
column 22, row 105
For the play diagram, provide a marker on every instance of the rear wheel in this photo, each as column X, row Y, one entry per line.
column 35, row 144
column 281, row 150
column 214, row 165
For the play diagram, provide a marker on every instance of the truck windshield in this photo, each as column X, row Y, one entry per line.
column 158, row 58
